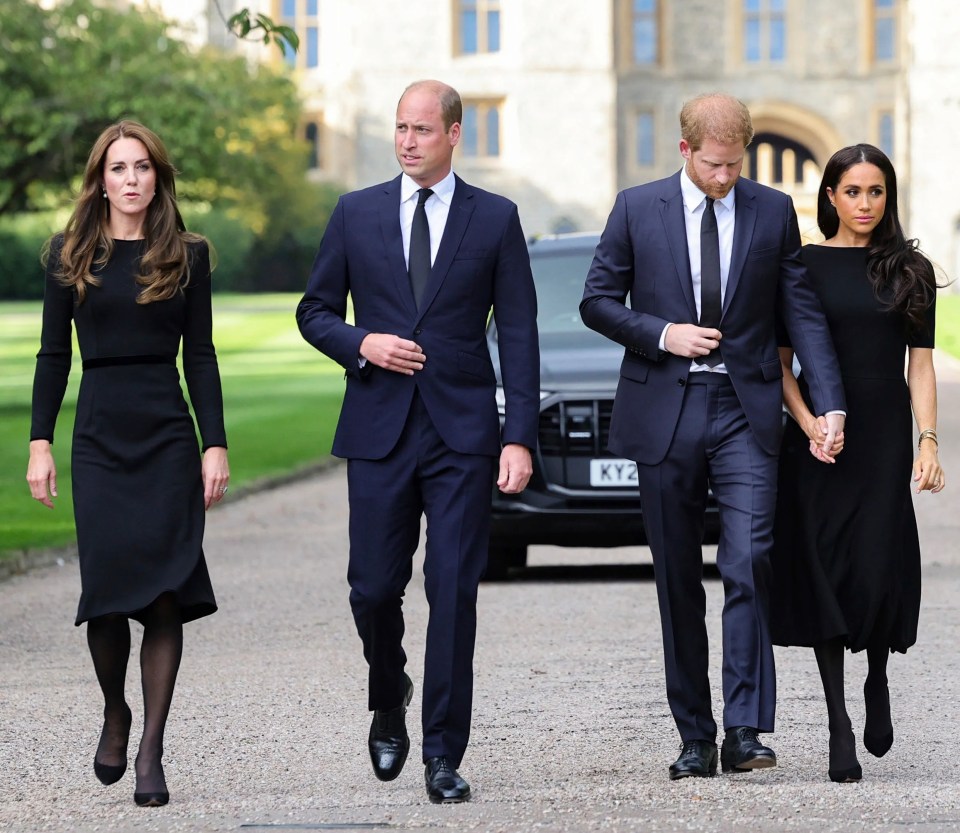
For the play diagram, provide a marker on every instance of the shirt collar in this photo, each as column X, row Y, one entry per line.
column 443, row 190
column 693, row 197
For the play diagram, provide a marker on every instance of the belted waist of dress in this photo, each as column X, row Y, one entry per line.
column 119, row 361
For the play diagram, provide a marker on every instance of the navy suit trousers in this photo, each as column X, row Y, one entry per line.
column 421, row 476
column 713, row 445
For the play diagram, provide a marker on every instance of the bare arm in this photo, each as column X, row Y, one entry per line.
column 922, row 381
column 816, row 428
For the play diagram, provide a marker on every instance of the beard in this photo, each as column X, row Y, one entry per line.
column 711, row 189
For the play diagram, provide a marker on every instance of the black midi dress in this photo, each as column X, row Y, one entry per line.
column 137, row 485
column 846, row 556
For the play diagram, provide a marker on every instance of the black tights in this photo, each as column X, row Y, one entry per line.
column 160, row 652
column 878, row 729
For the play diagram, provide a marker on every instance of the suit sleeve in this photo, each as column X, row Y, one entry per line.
column 321, row 314
column 515, row 312
column 805, row 324
column 609, row 281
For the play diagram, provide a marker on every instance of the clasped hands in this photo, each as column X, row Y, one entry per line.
column 826, row 436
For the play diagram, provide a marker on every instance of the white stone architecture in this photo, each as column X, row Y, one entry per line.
column 568, row 102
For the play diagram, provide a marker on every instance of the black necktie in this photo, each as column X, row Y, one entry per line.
column 419, row 259
column 710, row 303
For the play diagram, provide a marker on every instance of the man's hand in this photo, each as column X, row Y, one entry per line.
column 516, row 466
column 691, row 341
column 392, row 353
column 833, row 436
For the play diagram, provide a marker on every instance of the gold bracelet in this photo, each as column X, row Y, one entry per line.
column 928, row 434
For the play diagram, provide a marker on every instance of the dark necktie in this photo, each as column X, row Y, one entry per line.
column 419, row 259
column 710, row 303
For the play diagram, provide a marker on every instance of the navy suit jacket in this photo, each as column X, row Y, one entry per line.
column 482, row 263
column 643, row 253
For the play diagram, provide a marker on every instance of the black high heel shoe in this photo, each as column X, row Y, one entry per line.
column 877, row 738
column 108, row 774
column 843, row 748
column 154, row 799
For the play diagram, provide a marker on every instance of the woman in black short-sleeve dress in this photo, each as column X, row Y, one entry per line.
column 135, row 284
column 846, row 556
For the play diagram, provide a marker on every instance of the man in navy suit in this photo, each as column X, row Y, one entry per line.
column 709, row 261
column 424, row 258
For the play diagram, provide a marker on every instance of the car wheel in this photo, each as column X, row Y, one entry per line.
column 502, row 558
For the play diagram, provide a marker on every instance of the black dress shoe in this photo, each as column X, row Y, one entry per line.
column 698, row 759
column 742, row 751
column 389, row 742
column 444, row 784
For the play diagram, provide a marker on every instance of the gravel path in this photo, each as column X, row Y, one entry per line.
column 571, row 729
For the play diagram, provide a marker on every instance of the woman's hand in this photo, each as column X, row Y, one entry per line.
column 927, row 471
column 42, row 473
column 216, row 475
column 816, row 430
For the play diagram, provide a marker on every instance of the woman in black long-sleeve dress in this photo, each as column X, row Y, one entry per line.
column 135, row 284
column 846, row 556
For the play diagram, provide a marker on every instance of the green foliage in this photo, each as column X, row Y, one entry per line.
column 21, row 238
column 260, row 27
column 281, row 400
column 231, row 128
column 69, row 71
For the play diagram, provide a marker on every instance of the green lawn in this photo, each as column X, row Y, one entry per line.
column 281, row 399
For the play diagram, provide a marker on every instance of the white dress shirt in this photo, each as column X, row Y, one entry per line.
column 437, row 207
column 694, row 203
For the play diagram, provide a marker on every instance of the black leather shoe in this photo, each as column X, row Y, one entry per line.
column 742, row 751
column 698, row 759
column 389, row 742
column 444, row 784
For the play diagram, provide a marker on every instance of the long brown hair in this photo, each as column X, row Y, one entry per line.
column 164, row 265
column 902, row 277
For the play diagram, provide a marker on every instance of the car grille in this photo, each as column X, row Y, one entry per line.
column 576, row 428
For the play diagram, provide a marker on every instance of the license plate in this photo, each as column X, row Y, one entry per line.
column 613, row 473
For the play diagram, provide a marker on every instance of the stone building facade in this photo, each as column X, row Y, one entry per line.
column 569, row 102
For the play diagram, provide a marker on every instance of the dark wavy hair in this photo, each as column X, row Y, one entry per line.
column 86, row 239
column 903, row 278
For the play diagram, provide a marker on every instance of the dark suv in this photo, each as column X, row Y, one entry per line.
column 580, row 495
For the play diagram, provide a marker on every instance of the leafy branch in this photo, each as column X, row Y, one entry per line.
column 246, row 25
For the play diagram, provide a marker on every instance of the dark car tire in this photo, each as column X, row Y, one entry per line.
column 502, row 558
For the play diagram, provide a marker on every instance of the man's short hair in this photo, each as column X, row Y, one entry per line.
column 716, row 116
column 451, row 107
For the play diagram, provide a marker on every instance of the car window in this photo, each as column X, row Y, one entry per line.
column 559, row 280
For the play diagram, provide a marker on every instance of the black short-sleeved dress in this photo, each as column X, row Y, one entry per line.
column 846, row 557
column 137, row 486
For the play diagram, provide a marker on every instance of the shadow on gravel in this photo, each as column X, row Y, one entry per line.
column 591, row 572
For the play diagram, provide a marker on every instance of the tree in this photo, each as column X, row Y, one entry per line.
column 68, row 71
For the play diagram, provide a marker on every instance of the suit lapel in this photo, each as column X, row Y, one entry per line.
column 458, row 218
column 393, row 241
column 746, row 220
column 675, row 226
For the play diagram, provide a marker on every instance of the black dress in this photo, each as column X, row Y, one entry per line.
column 846, row 557
column 137, row 486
